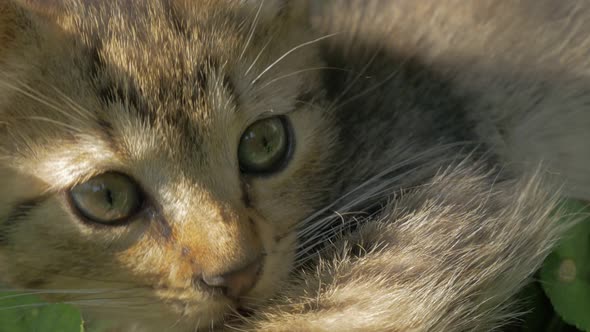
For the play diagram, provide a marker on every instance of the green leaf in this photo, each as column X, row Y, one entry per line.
column 27, row 313
column 565, row 275
column 58, row 317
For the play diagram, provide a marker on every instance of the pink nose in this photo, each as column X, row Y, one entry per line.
column 237, row 282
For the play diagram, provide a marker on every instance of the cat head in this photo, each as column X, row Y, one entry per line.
column 157, row 156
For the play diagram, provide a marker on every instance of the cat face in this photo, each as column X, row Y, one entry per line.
column 157, row 156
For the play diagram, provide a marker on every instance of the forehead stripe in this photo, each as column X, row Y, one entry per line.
column 18, row 213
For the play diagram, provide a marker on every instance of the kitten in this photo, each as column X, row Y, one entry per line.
column 292, row 165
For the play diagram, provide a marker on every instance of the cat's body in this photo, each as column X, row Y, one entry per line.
column 436, row 132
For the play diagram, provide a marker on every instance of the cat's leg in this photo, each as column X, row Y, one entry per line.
column 447, row 257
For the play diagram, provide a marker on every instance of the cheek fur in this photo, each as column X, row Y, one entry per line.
column 120, row 130
column 289, row 196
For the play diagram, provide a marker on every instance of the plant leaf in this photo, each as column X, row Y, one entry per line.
column 27, row 313
column 565, row 275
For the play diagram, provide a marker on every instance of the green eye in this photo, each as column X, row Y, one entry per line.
column 110, row 198
column 265, row 146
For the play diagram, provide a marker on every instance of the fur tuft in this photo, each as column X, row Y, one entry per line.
column 404, row 200
column 445, row 257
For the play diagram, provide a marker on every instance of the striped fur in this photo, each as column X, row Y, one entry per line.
column 433, row 140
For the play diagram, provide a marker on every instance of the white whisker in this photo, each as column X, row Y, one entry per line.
column 380, row 175
column 25, row 306
column 353, row 82
column 52, row 291
column 282, row 57
column 252, row 30
column 36, row 96
column 74, row 106
column 372, row 88
column 259, row 55
column 300, row 72
column 325, row 228
column 52, row 121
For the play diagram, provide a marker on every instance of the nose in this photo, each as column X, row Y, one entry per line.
column 238, row 281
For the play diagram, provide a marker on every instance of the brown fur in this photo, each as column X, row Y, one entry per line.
column 418, row 197
column 449, row 262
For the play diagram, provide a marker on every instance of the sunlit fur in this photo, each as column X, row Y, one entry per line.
column 432, row 142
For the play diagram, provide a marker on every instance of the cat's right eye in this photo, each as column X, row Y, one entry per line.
column 265, row 146
column 110, row 198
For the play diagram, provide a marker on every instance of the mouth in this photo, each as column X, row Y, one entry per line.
column 220, row 301
column 211, row 315
column 228, row 297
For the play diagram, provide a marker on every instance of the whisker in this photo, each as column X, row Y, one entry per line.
column 76, row 277
column 354, row 81
column 112, row 299
column 335, row 215
column 282, row 57
column 25, row 306
column 38, row 97
column 252, row 30
column 52, row 121
column 317, row 231
column 54, row 291
column 380, row 175
column 372, row 88
column 334, row 231
column 88, row 303
column 259, row 54
column 175, row 323
column 300, row 72
column 74, row 106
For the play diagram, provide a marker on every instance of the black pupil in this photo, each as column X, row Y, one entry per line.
column 109, row 196
column 266, row 144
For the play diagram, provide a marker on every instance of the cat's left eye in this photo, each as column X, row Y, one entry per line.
column 265, row 146
column 110, row 199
